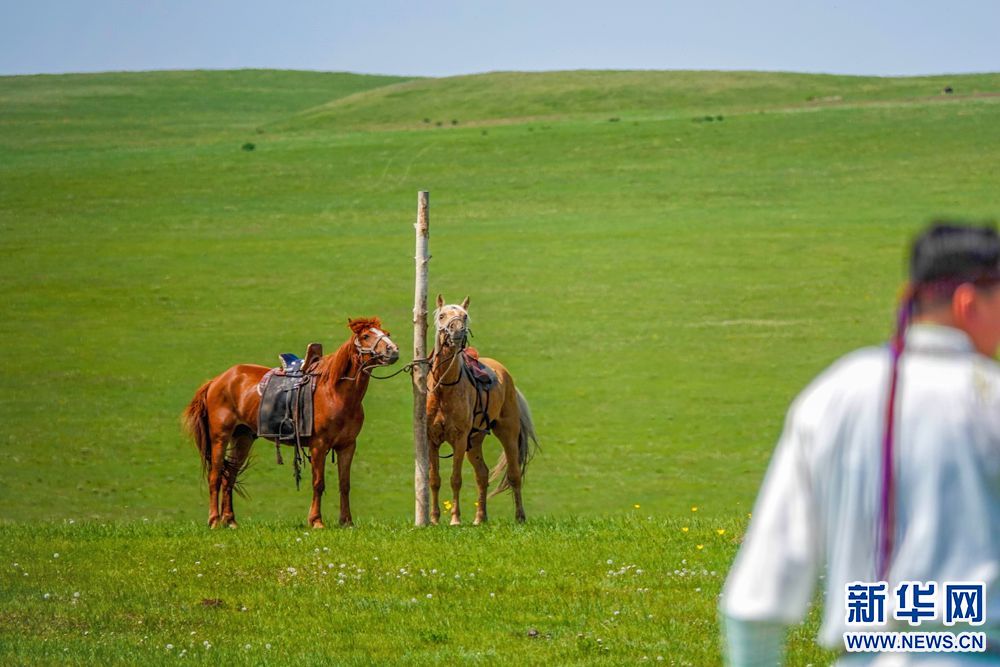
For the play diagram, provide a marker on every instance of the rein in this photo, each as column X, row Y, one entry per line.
column 450, row 362
column 408, row 368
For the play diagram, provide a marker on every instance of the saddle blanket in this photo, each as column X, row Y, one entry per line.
column 481, row 375
column 286, row 405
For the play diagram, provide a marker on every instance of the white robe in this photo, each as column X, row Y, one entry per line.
column 818, row 510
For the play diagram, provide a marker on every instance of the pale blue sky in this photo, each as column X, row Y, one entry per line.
column 438, row 38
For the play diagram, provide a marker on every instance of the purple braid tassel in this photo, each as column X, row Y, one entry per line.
column 887, row 517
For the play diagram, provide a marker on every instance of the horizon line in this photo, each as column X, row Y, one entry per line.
column 487, row 72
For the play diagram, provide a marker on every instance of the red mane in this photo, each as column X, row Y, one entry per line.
column 360, row 324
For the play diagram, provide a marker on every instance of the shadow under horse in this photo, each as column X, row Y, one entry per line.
column 465, row 403
column 223, row 419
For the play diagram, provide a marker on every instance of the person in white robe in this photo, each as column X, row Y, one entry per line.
column 888, row 469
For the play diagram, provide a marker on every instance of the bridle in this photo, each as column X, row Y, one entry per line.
column 462, row 317
column 376, row 358
column 371, row 350
column 447, row 338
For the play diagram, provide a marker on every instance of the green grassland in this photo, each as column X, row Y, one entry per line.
column 659, row 284
column 626, row 590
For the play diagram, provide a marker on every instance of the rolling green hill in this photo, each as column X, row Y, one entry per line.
column 662, row 260
column 509, row 97
column 71, row 111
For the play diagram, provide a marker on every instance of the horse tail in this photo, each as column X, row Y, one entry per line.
column 527, row 444
column 195, row 422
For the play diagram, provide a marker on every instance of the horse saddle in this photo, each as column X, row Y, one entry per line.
column 286, row 397
column 481, row 375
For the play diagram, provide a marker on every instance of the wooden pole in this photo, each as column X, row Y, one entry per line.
column 420, row 370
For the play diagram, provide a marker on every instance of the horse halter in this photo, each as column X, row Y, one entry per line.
column 454, row 335
column 371, row 350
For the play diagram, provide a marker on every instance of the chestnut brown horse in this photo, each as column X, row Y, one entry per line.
column 461, row 413
column 222, row 419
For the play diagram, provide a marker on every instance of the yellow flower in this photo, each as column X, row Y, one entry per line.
column 694, row 509
column 684, row 529
column 721, row 531
column 749, row 515
column 700, row 547
column 636, row 506
column 447, row 504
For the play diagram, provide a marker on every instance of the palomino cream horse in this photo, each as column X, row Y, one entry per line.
column 461, row 413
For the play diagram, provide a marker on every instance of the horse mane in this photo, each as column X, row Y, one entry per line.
column 336, row 364
column 362, row 323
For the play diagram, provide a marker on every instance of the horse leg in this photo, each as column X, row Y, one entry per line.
column 482, row 476
column 230, row 475
column 344, row 458
column 507, row 431
column 319, row 484
column 434, row 479
column 215, row 474
column 456, row 477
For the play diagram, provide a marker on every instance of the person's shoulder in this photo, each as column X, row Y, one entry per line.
column 854, row 376
column 859, row 367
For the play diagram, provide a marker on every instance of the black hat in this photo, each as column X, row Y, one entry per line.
column 955, row 253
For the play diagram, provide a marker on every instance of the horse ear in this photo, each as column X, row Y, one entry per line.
column 440, row 300
column 465, row 304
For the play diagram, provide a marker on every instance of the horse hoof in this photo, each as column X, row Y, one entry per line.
column 520, row 518
column 317, row 524
column 213, row 522
column 479, row 521
column 455, row 521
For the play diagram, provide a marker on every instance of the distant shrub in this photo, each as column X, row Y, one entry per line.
column 485, row 133
column 438, row 123
column 248, row 146
column 718, row 118
column 427, row 120
column 454, row 122
column 614, row 119
column 948, row 90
